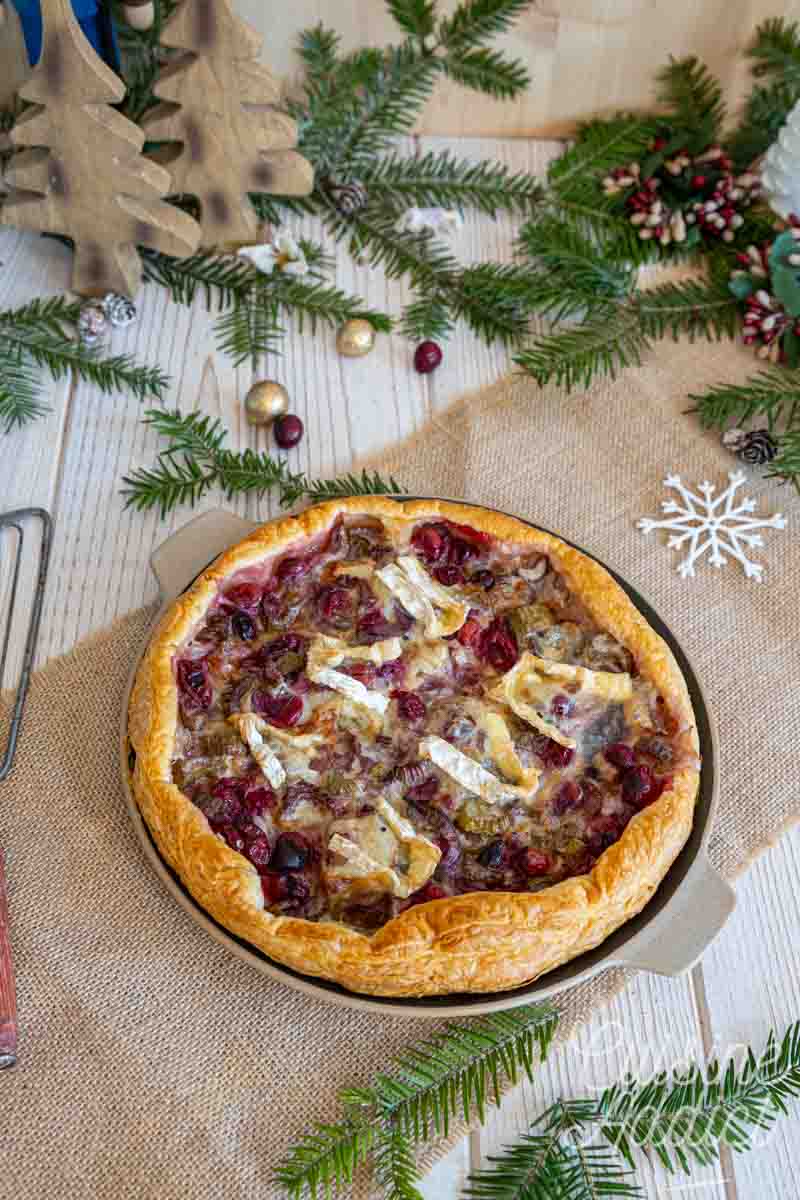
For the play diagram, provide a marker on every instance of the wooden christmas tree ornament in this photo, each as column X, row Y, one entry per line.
column 84, row 176
column 229, row 144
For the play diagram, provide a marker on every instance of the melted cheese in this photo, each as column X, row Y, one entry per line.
column 532, row 683
column 252, row 730
column 501, row 748
column 370, row 847
column 327, row 653
column 464, row 770
column 438, row 609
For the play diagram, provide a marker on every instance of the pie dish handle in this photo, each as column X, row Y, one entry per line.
column 682, row 931
column 181, row 558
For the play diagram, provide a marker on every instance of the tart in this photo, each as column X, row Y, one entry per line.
column 414, row 748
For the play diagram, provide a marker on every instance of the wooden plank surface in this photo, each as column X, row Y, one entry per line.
column 73, row 462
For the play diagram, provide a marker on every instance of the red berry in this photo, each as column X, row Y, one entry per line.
column 637, row 784
column 364, row 672
column 698, row 181
column 568, row 796
column 620, row 755
column 234, row 839
column 259, row 851
column 288, row 431
column 430, row 542
column 409, row 706
column 556, row 755
column 427, row 357
column 534, row 862
column 246, row 597
column 561, row 705
column 469, row 633
column 283, row 711
column 431, row 891
column 659, row 143
column 498, row 646
column 449, row 575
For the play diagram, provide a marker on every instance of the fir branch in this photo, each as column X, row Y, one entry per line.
column 554, row 1162
column 417, row 17
column 474, row 21
column 693, row 101
column 222, row 280
column 574, row 277
column 685, row 1118
column 439, row 178
column 695, row 308
column 317, row 302
column 446, row 1075
column 196, row 459
column 20, row 394
column 142, row 57
column 395, row 1169
column 609, row 340
column 776, row 50
column 773, row 394
column 786, row 466
column 765, row 112
column 600, row 146
column 487, row 71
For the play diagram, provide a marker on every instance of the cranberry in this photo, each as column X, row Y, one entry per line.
column 430, row 542
column 620, row 755
column 409, row 706
column 561, row 705
column 290, row 853
column 484, row 579
column 193, row 683
column 228, row 794
column 568, row 796
column 431, row 891
column 258, row 800
column 392, row 672
column 449, row 575
column 234, row 838
column 334, row 602
column 637, row 784
column 247, row 597
column 243, row 626
column 364, row 672
column 469, row 633
column 288, row 431
column 498, row 646
column 476, row 536
column 534, row 862
column 491, row 856
column 427, row 357
column 293, row 568
column 284, row 711
column 275, row 888
column 259, row 851
column 556, row 755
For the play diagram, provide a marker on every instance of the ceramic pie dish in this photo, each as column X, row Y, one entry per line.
column 415, row 749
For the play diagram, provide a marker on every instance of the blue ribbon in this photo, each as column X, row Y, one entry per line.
column 93, row 18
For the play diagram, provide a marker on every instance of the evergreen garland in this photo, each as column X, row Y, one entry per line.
column 578, row 1149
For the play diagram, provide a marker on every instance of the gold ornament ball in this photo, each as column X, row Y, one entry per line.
column 356, row 338
column 265, row 401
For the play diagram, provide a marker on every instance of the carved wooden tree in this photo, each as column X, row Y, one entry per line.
column 84, row 175
column 227, row 146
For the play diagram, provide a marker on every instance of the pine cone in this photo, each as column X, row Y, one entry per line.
column 755, row 447
column 349, row 197
column 120, row 311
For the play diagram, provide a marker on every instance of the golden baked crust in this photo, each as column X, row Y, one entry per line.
column 478, row 942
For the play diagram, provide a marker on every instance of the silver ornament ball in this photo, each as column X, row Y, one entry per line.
column 355, row 338
column 92, row 324
column 266, row 401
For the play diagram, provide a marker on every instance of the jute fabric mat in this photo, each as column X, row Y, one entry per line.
column 152, row 1063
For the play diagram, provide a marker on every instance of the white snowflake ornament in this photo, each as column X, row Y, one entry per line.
column 714, row 526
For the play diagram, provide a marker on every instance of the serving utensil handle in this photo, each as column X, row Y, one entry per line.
column 8, row 995
column 676, row 937
column 181, row 558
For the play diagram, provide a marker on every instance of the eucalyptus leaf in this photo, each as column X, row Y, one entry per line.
column 786, row 288
column 742, row 285
column 791, row 348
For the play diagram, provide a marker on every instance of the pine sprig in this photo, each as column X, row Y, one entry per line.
column 37, row 337
column 607, row 342
column 394, row 1165
column 417, row 17
column 475, row 21
column 487, row 71
column 454, row 1073
column 773, row 394
column 692, row 98
column 439, row 178
column 197, row 460
column 776, row 50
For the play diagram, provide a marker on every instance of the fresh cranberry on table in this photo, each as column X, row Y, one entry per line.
column 288, row 431
column 620, row 755
column 498, row 646
column 409, row 706
column 427, row 357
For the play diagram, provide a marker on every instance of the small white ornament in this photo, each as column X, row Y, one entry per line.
column 780, row 172
column 713, row 525
column 283, row 254
column 437, row 220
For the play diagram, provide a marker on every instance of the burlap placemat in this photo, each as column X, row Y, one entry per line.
column 152, row 1063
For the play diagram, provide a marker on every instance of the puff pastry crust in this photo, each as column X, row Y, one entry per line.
column 483, row 941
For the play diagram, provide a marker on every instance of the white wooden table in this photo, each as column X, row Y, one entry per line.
column 72, row 463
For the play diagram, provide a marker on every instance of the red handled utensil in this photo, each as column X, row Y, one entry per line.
column 8, row 995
